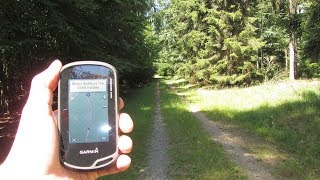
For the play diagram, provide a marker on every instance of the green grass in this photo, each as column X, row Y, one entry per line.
column 286, row 114
column 193, row 153
column 140, row 105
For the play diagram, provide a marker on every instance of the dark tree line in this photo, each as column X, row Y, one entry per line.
column 33, row 33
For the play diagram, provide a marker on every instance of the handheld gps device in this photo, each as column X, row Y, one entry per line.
column 88, row 115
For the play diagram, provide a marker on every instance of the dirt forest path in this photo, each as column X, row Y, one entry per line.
column 235, row 140
column 236, row 143
column 158, row 160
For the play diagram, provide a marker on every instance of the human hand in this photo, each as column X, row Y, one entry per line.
column 35, row 151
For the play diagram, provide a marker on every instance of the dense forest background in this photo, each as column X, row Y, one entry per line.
column 238, row 42
column 219, row 43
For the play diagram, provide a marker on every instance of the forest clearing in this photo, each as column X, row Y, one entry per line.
column 239, row 93
column 281, row 141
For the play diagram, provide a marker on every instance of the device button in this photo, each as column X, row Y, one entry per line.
column 104, row 162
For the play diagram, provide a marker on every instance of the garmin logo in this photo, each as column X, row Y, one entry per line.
column 94, row 151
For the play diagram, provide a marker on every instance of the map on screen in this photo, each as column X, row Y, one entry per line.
column 88, row 111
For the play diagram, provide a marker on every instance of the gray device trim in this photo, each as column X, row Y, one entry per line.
column 116, row 154
column 94, row 166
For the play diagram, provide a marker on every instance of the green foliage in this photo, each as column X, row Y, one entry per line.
column 309, row 69
column 211, row 39
column 164, row 69
column 32, row 33
column 234, row 35
column 310, row 35
column 312, row 31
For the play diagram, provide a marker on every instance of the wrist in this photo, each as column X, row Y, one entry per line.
column 5, row 173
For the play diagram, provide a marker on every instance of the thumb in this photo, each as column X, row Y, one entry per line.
column 44, row 84
column 53, row 72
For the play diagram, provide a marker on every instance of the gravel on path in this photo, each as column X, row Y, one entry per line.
column 158, row 160
column 236, row 146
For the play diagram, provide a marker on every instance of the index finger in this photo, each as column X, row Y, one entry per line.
column 121, row 103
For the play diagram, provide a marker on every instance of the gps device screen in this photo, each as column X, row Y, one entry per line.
column 88, row 111
column 87, row 116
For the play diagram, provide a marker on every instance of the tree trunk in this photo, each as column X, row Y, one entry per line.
column 292, row 44
column 286, row 58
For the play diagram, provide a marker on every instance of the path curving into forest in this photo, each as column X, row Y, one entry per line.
column 158, row 160
column 236, row 144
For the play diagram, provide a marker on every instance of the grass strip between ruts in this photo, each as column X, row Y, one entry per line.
column 140, row 105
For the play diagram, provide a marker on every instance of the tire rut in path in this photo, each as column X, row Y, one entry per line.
column 158, row 160
column 235, row 146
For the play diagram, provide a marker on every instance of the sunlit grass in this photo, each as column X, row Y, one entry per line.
column 140, row 105
column 253, row 97
column 193, row 155
column 286, row 114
